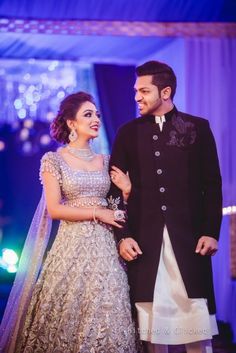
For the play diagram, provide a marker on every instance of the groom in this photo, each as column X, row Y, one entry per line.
column 174, row 215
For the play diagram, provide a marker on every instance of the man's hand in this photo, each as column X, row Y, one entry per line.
column 206, row 246
column 129, row 249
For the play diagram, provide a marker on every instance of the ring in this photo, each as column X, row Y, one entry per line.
column 119, row 215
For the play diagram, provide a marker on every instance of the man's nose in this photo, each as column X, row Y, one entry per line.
column 138, row 97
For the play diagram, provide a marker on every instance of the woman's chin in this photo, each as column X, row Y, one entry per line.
column 94, row 135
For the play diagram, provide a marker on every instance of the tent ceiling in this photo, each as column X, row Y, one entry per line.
column 42, row 39
column 125, row 10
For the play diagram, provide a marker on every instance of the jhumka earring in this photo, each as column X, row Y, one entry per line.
column 73, row 135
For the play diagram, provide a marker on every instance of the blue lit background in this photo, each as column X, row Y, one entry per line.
column 40, row 63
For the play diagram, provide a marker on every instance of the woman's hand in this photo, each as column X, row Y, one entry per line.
column 122, row 181
column 111, row 217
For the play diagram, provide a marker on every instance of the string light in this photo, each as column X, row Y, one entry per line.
column 229, row 210
column 31, row 91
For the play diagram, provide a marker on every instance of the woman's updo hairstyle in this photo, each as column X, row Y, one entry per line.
column 67, row 111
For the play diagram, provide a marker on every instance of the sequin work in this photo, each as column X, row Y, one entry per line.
column 81, row 302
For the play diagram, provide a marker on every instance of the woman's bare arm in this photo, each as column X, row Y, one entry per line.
column 59, row 211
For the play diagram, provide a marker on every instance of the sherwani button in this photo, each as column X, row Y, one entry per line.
column 162, row 189
column 159, row 171
column 155, row 137
column 157, row 153
column 164, row 208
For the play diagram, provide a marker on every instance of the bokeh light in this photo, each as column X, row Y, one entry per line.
column 2, row 145
column 12, row 269
column 9, row 256
column 9, row 260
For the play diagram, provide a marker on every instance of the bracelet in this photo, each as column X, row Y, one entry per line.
column 94, row 214
column 119, row 242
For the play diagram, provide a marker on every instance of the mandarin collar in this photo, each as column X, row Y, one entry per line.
column 168, row 116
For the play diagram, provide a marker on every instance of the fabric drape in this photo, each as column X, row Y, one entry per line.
column 29, row 267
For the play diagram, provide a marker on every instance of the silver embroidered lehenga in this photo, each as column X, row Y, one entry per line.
column 80, row 303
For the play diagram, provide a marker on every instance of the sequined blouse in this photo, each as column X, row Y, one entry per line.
column 79, row 188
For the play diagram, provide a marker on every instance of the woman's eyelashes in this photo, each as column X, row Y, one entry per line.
column 91, row 114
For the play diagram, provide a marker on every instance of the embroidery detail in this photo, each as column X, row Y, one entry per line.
column 49, row 163
column 81, row 300
column 113, row 202
column 184, row 135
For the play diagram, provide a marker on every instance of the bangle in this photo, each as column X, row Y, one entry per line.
column 94, row 214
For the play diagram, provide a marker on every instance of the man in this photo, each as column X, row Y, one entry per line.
column 174, row 215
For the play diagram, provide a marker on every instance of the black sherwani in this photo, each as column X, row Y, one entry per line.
column 175, row 182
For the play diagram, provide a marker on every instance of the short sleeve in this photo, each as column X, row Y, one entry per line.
column 50, row 164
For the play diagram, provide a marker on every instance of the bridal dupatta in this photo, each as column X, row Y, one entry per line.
column 26, row 276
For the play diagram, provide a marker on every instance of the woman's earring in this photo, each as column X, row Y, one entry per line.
column 73, row 135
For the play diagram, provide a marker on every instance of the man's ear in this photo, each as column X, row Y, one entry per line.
column 166, row 93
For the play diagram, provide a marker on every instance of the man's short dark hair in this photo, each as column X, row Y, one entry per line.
column 162, row 75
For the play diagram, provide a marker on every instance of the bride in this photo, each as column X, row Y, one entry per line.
column 80, row 301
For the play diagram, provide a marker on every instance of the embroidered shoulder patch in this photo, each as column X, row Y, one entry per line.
column 113, row 203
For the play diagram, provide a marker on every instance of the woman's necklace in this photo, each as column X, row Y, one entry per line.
column 82, row 153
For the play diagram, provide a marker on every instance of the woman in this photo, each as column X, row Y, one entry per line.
column 80, row 302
